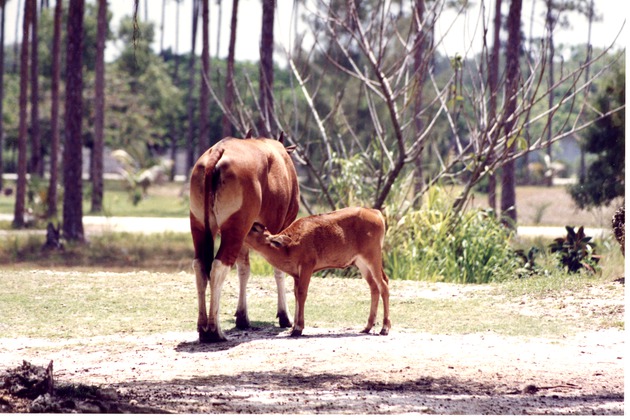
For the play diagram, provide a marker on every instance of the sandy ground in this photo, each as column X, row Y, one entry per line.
column 339, row 371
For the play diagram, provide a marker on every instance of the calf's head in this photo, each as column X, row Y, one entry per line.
column 259, row 236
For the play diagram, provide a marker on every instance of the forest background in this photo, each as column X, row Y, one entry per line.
column 380, row 111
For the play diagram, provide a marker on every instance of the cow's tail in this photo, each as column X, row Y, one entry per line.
column 210, row 182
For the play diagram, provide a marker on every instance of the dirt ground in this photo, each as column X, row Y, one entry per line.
column 339, row 371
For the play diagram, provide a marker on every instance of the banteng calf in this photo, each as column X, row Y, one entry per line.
column 351, row 236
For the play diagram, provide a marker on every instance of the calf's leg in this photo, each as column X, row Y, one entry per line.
column 374, row 293
column 384, row 288
column 300, row 290
column 373, row 273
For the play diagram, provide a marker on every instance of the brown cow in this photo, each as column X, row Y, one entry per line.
column 233, row 184
column 350, row 236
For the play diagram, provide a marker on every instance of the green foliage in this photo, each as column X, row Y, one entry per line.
column 350, row 183
column 434, row 244
column 140, row 177
column 165, row 251
column 529, row 261
column 575, row 251
column 605, row 177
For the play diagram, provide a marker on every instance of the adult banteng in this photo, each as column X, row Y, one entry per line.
column 233, row 184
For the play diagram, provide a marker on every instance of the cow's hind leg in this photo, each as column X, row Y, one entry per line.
column 202, row 282
column 243, row 270
column 283, row 311
column 218, row 274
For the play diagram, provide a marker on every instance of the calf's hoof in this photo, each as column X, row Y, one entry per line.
column 384, row 331
column 211, row 336
column 284, row 321
column 366, row 330
column 296, row 333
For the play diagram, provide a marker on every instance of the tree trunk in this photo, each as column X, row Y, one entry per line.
column 37, row 161
column 16, row 45
column 589, row 51
column 508, row 180
column 219, row 17
column 204, row 94
column 226, row 125
column 493, row 86
column 190, row 145
column 72, row 152
column 162, row 27
column 419, row 70
column 550, row 23
column 99, row 108
column 2, row 94
column 266, row 125
column 54, row 113
column 172, row 130
column 20, row 193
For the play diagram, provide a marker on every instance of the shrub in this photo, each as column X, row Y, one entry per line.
column 575, row 250
column 435, row 244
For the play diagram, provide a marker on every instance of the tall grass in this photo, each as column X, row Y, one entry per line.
column 435, row 244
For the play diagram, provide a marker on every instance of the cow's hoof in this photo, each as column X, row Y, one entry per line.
column 384, row 331
column 296, row 333
column 284, row 321
column 211, row 337
column 366, row 330
column 242, row 321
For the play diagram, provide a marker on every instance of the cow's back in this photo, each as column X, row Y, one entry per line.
column 239, row 181
column 339, row 236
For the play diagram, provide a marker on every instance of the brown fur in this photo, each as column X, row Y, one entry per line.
column 350, row 236
column 233, row 184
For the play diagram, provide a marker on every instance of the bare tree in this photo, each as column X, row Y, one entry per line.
column 369, row 52
column 72, row 151
column 229, row 77
column 54, row 112
column 99, row 108
column 20, row 193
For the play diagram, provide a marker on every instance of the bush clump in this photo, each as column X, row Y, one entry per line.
column 435, row 244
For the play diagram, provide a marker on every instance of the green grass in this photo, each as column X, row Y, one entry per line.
column 123, row 251
column 161, row 201
column 84, row 303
